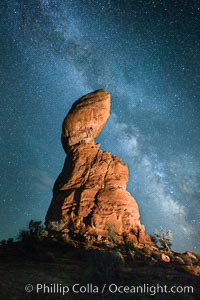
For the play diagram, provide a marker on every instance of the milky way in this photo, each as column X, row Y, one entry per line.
column 146, row 54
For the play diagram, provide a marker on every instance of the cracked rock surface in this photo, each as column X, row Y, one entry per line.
column 89, row 195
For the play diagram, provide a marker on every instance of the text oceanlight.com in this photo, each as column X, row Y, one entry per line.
column 57, row 288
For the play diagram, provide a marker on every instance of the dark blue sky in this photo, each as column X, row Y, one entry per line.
column 146, row 54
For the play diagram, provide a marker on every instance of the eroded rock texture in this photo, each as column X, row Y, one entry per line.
column 90, row 195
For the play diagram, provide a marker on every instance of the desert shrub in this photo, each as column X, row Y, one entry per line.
column 31, row 239
column 164, row 238
column 89, row 243
column 24, row 235
column 3, row 242
column 112, row 235
column 130, row 245
column 55, row 229
column 65, row 238
column 10, row 241
column 188, row 261
column 153, row 238
column 198, row 257
column 147, row 251
column 131, row 257
column 35, row 231
column 36, row 228
column 136, row 232
column 56, row 226
column 119, row 258
column 156, row 255
column 179, row 260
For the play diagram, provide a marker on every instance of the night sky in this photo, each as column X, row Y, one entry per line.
column 146, row 54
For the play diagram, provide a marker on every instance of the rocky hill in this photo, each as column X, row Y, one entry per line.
column 40, row 268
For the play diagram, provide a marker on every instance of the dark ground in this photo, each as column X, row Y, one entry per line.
column 50, row 263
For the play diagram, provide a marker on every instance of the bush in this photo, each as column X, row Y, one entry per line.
column 164, row 238
column 10, row 241
column 188, row 261
column 35, row 231
column 112, row 235
column 3, row 242
column 147, row 251
column 129, row 245
column 36, row 228
column 131, row 255
column 156, row 255
column 24, row 235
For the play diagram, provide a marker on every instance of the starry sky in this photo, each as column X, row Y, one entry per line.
column 146, row 53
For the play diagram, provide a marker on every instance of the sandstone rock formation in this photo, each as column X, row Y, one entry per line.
column 89, row 196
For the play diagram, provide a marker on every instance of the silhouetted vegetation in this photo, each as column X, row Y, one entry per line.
column 96, row 261
column 35, row 231
column 164, row 238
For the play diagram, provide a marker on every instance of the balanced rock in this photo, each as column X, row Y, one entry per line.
column 86, row 119
column 89, row 196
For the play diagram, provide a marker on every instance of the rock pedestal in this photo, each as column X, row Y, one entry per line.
column 89, row 196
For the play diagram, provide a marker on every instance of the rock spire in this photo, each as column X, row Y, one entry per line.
column 89, row 195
